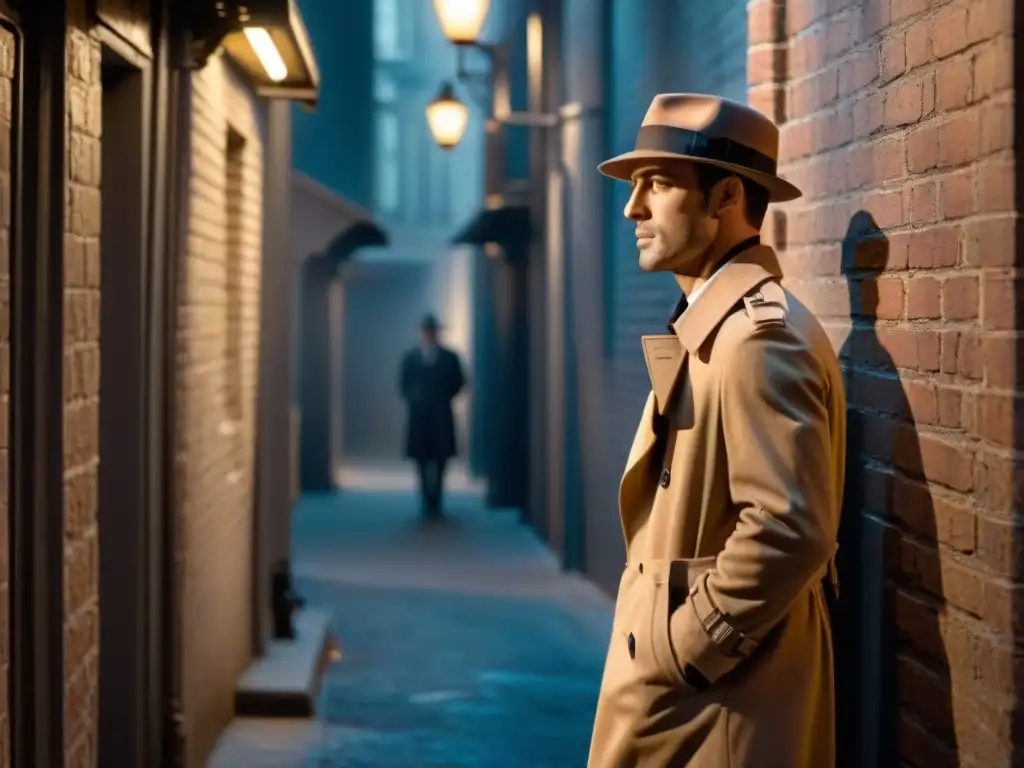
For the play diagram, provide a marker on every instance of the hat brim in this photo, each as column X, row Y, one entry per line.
column 623, row 166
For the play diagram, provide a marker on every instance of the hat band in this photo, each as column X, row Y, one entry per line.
column 682, row 141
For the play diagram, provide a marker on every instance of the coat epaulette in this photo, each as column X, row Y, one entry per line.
column 767, row 305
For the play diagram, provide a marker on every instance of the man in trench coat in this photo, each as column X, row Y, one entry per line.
column 429, row 377
column 720, row 655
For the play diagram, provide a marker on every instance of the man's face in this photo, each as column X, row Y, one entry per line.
column 429, row 336
column 673, row 228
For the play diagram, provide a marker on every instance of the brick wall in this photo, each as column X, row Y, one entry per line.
column 81, row 391
column 7, row 61
column 216, row 399
column 897, row 122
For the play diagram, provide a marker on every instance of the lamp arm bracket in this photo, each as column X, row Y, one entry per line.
column 205, row 26
column 566, row 113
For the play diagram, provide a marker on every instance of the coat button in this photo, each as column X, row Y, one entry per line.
column 666, row 476
column 631, row 644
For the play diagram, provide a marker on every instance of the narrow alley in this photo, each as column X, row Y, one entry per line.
column 462, row 643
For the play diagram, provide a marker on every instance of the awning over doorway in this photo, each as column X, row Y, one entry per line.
column 360, row 234
column 504, row 225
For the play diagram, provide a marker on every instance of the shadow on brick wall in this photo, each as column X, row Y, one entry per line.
column 890, row 581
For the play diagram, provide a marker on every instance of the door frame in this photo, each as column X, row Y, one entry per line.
column 36, row 468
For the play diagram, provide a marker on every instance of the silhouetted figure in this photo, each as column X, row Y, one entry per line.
column 430, row 377
column 887, row 566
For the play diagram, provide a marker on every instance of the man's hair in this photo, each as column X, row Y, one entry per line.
column 755, row 195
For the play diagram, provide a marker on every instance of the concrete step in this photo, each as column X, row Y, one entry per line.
column 285, row 681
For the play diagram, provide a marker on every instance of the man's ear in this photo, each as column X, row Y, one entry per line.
column 727, row 195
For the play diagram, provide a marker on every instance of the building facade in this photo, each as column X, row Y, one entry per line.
column 134, row 162
column 898, row 122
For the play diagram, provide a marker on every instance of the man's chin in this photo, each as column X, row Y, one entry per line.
column 654, row 262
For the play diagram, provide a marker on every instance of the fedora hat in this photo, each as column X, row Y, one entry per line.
column 430, row 322
column 711, row 130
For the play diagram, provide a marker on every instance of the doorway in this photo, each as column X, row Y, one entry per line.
column 124, row 514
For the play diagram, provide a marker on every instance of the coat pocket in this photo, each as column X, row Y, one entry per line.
column 665, row 598
column 673, row 584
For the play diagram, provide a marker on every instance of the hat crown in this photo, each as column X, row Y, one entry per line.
column 717, row 118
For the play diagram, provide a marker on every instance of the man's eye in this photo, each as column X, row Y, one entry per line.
column 659, row 184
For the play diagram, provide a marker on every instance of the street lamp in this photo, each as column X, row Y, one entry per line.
column 462, row 20
column 447, row 117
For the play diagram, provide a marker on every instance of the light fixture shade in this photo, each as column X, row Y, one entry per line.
column 462, row 20
column 269, row 40
column 447, row 118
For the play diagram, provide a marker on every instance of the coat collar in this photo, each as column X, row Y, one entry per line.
column 739, row 276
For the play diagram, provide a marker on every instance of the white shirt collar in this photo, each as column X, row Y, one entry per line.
column 696, row 294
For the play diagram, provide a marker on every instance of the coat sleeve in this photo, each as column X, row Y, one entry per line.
column 405, row 377
column 459, row 379
column 776, row 432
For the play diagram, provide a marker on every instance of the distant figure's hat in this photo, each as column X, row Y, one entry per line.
column 707, row 129
column 429, row 322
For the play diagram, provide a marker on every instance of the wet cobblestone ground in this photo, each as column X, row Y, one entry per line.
column 462, row 643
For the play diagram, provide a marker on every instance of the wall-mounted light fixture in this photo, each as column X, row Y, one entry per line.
column 462, row 21
column 267, row 38
column 447, row 117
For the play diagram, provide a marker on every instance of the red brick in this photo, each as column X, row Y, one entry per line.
column 904, row 102
column 968, row 352
column 1000, row 482
column 949, row 30
column 922, row 149
column 996, row 187
column 859, row 71
column 1001, row 545
column 920, row 203
column 1001, row 419
column 800, row 16
column 1002, row 302
column 840, row 36
column 868, row 113
column 912, row 349
column 923, row 298
column 996, row 127
column 988, row 18
column 1003, row 356
column 888, row 163
column 950, row 406
column 765, row 64
column 958, row 141
column 875, row 17
column 956, row 193
column 885, row 207
column 991, row 242
column 764, row 21
column 993, row 68
column 900, row 10
column 960, row 298
column 893, row 60
column 919, row 44
column 954, row 79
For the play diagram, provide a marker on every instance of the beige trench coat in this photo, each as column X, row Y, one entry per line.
column 720, row 655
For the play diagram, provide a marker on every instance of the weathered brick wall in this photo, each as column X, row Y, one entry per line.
column 7, row 62
column 216, row 400
column 897, row 122
column 81, row 391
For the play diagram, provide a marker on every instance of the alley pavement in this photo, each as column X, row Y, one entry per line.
column 462, row 643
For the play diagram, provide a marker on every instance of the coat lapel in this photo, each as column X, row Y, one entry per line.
column 667, row 356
